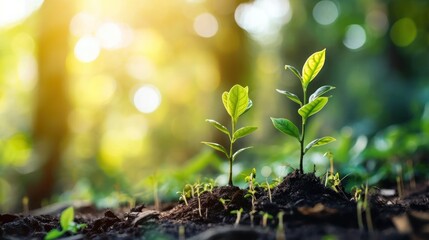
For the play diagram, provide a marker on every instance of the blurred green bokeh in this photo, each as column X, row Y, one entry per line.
column 99, row 98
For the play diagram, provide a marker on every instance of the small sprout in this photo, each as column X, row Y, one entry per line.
column 181, row 232
column 67, row 225
column 183, row 196
column 199, row 189
column 238, row 213
column 252, row 217
column 252, row 184
column 236, row 103
column 280, row 233
column 307, row 106
column 224, row 202
column 191, row 188
column 333, row 181
column 266, row 172
column 265, row 217
column 25, row 202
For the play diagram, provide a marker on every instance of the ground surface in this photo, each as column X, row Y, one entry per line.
column 310, row 211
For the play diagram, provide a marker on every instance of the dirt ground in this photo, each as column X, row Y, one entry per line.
column 308, row 210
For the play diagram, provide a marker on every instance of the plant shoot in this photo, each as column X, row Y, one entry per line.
column 308, row 106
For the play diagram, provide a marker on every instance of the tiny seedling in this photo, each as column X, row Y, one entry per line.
column 307, row 107
column 236, row 103
column 265, row 217
column 238, row 218
column 199, row 189
column 252, row 185
column 183, row 196
column 67, row 225
column 224, row 202
column 280, row 233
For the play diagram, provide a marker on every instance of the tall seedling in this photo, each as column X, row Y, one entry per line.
column 308, row 107
column 236, row 103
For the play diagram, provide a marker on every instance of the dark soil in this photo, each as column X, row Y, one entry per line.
column 311, row 211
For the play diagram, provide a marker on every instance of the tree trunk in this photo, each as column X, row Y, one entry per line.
column 51, row 101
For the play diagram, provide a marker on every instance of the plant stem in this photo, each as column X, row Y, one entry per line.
column 301, row 160
column 230, row 152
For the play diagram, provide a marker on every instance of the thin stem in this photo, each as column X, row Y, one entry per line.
column 230, row 151
column 301, row 141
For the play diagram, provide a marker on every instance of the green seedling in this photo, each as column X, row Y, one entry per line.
column 238, row 218
column 265, row 217
column 224, row 202
column 67, row 225
column 236, row 103
column 252, row 185
column 357, row 196
column 307, row 107
column 333, row 181
column 266, row 185
column 183, row 196
column 280, row 233
column 198, row 189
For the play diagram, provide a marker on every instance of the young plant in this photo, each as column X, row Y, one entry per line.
column 67, row 225
column 198, row 189
column 308, row 107
column 238, row 218
column 252, row 185
column 183, row 196
column 265, row 217
column 224, row 202
column 280, row 233
column 236, row 103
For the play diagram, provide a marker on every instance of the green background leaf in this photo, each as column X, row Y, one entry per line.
column 286, row 126
column 312, row 67
column 294, row 70
column 313, row 107
column 242, row 132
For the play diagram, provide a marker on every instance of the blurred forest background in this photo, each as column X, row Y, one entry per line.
column 104, row 100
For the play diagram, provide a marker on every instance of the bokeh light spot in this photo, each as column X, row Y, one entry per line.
column 355, row 37
column 325, row 12
column 83, row 23
column 14, row 11
column 206, row 25
column 263, row 18
column 87, row 49
column 403, row 32
column 147, row 99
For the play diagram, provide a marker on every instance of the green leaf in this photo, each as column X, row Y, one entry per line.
column 219, row 126
column 249, row 105
column 238, row 101
column 319, row 92
column 54, row 234
column 312, row 67
column 313, row 107
column 294, row 70
column 290, row 95
column 319, row 142
column 67, row 217
column 225, row 100
column 216, row 146
column 242, row 132
column 286, row 126
column 238, row 152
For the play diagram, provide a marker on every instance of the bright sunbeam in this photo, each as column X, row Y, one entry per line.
column 87, row 49
column 147, row 99
column 13, row 11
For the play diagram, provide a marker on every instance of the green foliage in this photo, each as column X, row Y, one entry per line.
column 67, row 225
column 236, row 103
column 309, row 107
